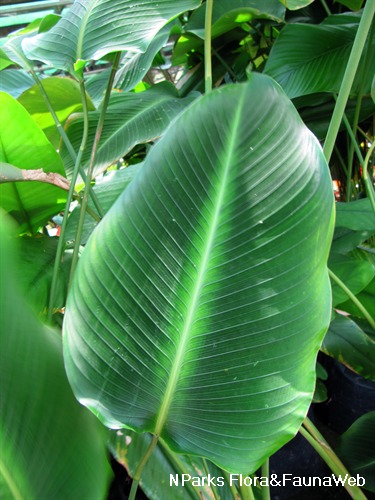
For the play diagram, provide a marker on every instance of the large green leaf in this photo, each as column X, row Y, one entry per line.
column 24, row 145
column 65, row 97
column 201, row 299
column 93, row 28
column 131, row 119
column 308, row 58
column 50, row 446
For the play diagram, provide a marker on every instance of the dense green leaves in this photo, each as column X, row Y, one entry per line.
column 24, row 145
column 93, row 28
column 131, row 119
column 228, row 14
column 200, row 301
column 50, row 446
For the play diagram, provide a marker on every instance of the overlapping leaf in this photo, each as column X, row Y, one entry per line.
column 228, row 14
column 15, row 81
column 93, row 28
column 24, row 145
column 312, row 58
column 107, row 190
column 356, row 448
column 131, row 119
column 133, row 67
column 201, row 299
column 349, row 344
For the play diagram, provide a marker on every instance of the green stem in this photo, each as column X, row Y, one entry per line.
column 207, row 47
column 365, row 69
column 76, row 170
column 59, row 253
column 353, row 141
column 325, row 7
column 363, row 133
column 265, row 473
column 367, row 181
column 353, row 298
column 64, row 136
column 224, row 63
column 179, row 466
column 320, row 445
column 138, row 472
column 341, row 160
column 350, row 72
column 232, row 488
column 246, row 492
column 98, row 133
column 213, row 488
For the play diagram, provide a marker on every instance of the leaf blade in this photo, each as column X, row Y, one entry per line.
column 203, row 250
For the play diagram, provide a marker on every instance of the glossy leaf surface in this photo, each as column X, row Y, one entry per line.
column 131, row 119
column 51, row 447
column 201, row 299
column 94, row 28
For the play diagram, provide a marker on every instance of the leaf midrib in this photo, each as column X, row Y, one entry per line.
column 81, row 32
column 189, row 318
column 9, row 481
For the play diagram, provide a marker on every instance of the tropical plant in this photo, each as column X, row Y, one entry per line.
column 177, row 233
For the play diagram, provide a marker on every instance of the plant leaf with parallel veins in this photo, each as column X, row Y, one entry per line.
column 201, row 299
column 91, row 29
column 131, row 119
column 306, row 59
